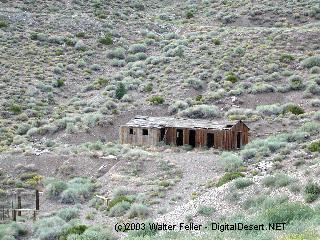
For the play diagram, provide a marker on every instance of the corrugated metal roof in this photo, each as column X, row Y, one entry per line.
column 160, row 122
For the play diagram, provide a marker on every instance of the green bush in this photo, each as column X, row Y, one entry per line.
column 296, row 82
column 59, row 83
column 314, row 146
column 119, row 199
column 156, row 100
column 119, row 209
column 121, row 90
column 229, row 177
column 311, row 191
column 189, row 14
column 3, row 24
column 74, row 230
column 242, row 183
column 106, row 40
column 311, row 62
column 205, row 210
column 231, row 77
column 15, row 108
column 294, row 109
column 286, row 58
column 288, row 212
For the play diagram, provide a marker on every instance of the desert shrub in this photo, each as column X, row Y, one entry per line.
column 315, row 70
column 205, row 210
column 137, row 48
column 3, row 24
column 310, row 127
column 201, row 111
column 138, row 210
column 96, row 233
column 80, row 45
column 15, row 108
column 12, row 231
column 240, row 113
column 269, row 110
column 288, row 212
column 311, row 192
column 229, row 162
column 262, row 88
column 294, row 109
column 316, row 116
column 194, row 83
column 68, row 214
column 177, row 51
column 216, row 41
column 50, row 228
column 156, row 100
column 119, row 209
column 58, row 83
column 313, row 88
column 315, row 103
column 278, row 180
column 311, row 62
column 227, row 177
column 296, row 82
column 231, row 77
column 55, row 188
column 121, row 90
column 286, row 58
column 73, row 232
column 106, row 40
column 314, row 146
column 118, row 53
column 148, row 231
column 23, row 128
column 177, row 106
column 189, row 14
column 119, row 199
column 242, row 183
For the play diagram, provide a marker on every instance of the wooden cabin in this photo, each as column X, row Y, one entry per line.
column 143, row 130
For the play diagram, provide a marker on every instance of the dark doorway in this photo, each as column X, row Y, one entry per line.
column 179, row 137
column 239, row 138
column 192, row 138
column 210, row 140
column 162, row 133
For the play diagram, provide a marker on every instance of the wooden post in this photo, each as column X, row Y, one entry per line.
column 14, row 215
column 37, row 200
column 19, row 205
column 34, row 215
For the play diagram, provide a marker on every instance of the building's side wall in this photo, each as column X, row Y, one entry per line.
column 137, row 138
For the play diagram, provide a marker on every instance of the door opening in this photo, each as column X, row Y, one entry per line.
column 210, row 140
column 239, row 138
column 162, row 133
column 192, row 138
column 179, row 140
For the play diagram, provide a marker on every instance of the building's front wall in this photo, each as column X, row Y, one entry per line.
column 223, row 139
